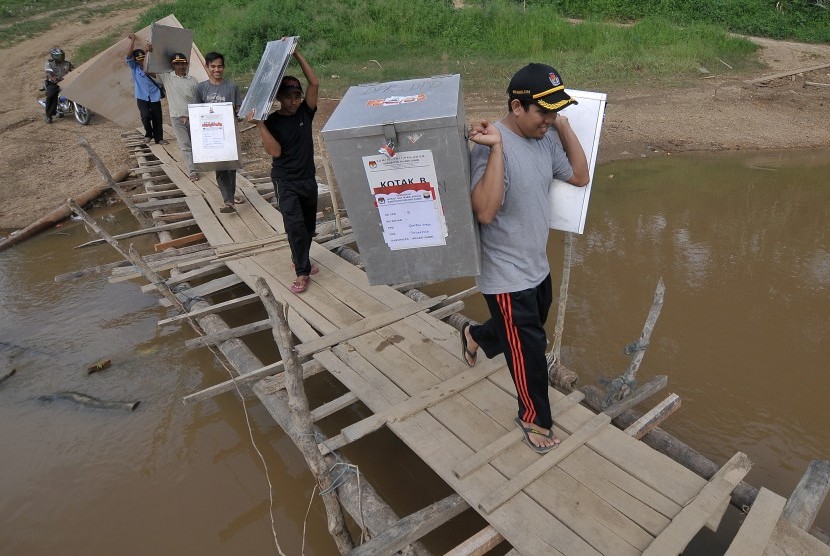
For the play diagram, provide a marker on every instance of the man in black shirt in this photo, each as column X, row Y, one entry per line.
column 286, row 136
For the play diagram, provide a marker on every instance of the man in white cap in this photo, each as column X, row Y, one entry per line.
column 512, row 165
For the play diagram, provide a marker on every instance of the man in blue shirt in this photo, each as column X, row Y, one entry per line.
column 147, row 95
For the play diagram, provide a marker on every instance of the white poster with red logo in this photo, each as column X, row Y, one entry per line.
column 213, row 136
column 404, row 188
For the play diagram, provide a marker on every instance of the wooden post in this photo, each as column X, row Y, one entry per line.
column 806, row 500
column 301, row 416
column 333, row 189
column 621, row 385
column 105, row 174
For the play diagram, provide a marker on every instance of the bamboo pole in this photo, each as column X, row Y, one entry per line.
column 301, row 416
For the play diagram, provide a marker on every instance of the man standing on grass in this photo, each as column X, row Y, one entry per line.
column 218, row 89
column 286, row 136
column 512, row 165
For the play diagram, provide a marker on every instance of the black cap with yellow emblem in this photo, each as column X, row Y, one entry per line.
column 542, row 85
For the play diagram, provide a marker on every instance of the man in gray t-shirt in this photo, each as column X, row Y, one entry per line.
column 219, row 89
column 513, row 163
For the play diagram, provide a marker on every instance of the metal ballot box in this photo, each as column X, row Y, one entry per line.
column 400, row 156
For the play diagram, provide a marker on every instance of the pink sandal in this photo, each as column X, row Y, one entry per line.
column 299, row 285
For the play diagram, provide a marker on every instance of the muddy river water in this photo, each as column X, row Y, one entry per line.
column 742, row 241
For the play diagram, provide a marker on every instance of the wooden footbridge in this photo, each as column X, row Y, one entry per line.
column 602, row 491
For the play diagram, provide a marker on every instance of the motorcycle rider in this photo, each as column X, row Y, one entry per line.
column 57, row 66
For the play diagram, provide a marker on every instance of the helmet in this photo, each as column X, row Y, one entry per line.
column 57, row 54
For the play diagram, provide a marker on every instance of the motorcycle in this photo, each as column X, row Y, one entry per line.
column 65, row 107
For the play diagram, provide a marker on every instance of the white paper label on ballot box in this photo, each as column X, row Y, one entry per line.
column 213, row 133
column 404, row 189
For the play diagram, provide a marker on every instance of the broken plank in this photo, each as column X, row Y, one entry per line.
column 144, row 231
column 309, row 368
column 179, row 241
column 512, row 487
column 334, row 406
column 412, row 527
column 193, row 274
column 366, row 325
column 225, row 305
column 490, row 452
column 244, row 330
column 685, row 525
column 207, row 288
column 649, row 421
column 162, row 204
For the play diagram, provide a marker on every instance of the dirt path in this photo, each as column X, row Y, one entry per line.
column 42, row 166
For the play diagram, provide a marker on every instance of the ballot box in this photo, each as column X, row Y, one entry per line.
column 400, row 156
column 213, row 136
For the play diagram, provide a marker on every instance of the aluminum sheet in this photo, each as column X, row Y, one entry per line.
column 263, row 89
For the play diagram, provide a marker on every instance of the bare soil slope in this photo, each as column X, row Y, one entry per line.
column 42, row 166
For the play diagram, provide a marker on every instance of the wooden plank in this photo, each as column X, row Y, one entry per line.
column 649, row 421
column 784, row 74
column 688, row 522
column 161, row 204
column 179, row 242
column 412, row 527
column 512, row 487
column 582, row 514
column 413, row 405
column 617, row 492
column 479, row 544
column 434, row 444
column 237, row 247
column 366, row 325
column 145, row 231
column 218, row 307
column 208, row 223
column 186, row 276
column 175, row 192
column 757, row 528
column 248, row 268
column 806, row 500
column 208, row 288
column 334, row 406
column 789, row 540
column 649, row 466
column 717, row 514
column 237, row 332
column 514, row 435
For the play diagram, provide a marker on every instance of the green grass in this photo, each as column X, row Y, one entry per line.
column 355, row 41
column 381, row 40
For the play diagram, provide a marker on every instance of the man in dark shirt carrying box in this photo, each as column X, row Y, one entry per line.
column 286, row 136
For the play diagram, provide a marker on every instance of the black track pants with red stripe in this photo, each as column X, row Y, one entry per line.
column 516, row 329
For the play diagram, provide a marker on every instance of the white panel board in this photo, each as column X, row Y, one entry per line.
column 213, row 132
column 267, row 78
column 104, row 83
column 166, row 41
column 569, row 204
